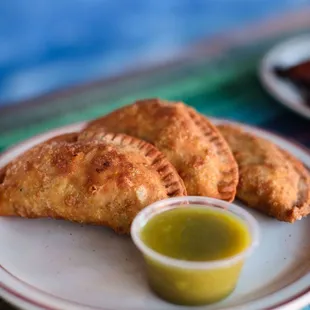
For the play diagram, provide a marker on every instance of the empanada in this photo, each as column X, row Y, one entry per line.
column 191, row 143
column 271, row 180
column 101, row 182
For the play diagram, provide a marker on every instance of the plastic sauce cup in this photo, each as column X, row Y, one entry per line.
column 189, row 282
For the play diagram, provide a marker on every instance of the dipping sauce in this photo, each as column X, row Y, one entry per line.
column 194, row 253
column 196, row 234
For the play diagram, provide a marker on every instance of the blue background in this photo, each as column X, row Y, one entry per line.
column 47, row 45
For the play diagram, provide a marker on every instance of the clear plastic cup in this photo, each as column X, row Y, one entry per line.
column 189, row 282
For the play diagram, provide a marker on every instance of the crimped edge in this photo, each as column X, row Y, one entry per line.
column 228, row 186
column 169, row 176
column 300, row 209
column 226, row 189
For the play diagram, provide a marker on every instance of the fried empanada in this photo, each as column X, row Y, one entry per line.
column 271, row 180
column 191, row 143
column 100, row 182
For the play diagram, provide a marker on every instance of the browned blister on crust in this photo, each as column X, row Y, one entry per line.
column 100, row 182
column 271, row 180
column 66, row 137
column 190, row 142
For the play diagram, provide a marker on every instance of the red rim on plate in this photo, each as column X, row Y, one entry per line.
column 78, row 126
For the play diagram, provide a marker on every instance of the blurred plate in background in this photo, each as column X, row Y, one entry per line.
column 286, row 54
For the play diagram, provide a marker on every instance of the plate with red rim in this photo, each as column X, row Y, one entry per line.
column 58, row 265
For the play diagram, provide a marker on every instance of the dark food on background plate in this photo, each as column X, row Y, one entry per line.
column 299, row 75
column 188, row 139
column 105, row 183
column 271, row 180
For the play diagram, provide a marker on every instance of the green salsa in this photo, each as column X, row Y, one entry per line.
column 194, row 234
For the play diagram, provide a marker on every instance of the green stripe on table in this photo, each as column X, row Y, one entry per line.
column 216, row 91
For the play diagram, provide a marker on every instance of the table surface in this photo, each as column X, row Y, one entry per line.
column 63, row 42
column 219, row 80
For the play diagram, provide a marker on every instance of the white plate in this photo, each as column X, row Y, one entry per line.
column 288, row 53
column 60, row 265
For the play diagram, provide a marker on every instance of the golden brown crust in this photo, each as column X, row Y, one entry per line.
column 101, row 182
column 66, row 137
column 169, row 176
column 271, row 180
column 191, row 143
column 302, row 204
